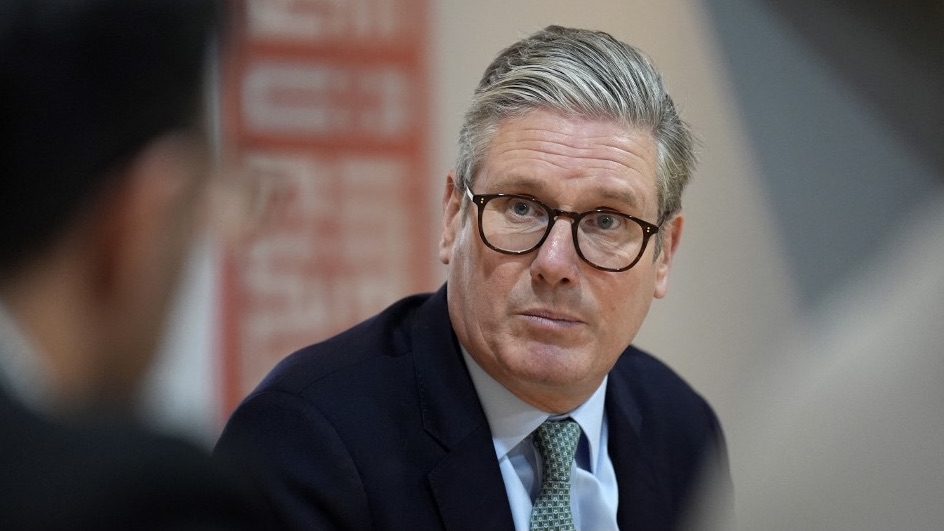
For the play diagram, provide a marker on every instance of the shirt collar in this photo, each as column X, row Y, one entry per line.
column 22, row 373
column 511, row 419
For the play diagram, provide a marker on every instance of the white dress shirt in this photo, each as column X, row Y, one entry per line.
column 593, row 495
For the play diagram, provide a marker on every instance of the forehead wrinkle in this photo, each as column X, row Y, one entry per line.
column 598, row 148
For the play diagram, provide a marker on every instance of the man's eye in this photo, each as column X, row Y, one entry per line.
column 605, row 222
column 521, row 208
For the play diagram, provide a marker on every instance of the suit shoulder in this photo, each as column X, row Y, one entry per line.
column 676, row 427
column 662, row 396
column 383, row 336
column 672, row 418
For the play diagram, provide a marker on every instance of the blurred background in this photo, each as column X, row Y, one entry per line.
column 822, row 157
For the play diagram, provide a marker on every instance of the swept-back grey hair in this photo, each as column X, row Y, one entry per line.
column 579, row 73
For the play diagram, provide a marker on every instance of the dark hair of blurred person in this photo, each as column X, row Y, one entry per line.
column 103, row 164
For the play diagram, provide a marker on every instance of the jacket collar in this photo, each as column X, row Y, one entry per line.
column 467, row 483
column 641, row 505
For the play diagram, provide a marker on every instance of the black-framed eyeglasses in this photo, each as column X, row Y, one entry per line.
column 518, row 224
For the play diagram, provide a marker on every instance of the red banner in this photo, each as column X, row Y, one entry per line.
column 327, row 103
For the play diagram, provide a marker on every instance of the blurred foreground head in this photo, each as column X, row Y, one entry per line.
column 103, row 161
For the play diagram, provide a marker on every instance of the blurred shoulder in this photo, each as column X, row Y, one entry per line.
column 111, row 474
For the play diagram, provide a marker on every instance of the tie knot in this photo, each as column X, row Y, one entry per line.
column 556, row 441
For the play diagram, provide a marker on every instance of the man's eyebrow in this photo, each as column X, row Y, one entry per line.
column 526, row 185
column 519, row 183
column 625, row 197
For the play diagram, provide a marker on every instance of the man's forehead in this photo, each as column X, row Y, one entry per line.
column 531, row 153
column 555, row 132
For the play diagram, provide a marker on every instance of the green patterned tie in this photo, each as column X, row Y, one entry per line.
column 557, row 443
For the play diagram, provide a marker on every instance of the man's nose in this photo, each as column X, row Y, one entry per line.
column 557, row 260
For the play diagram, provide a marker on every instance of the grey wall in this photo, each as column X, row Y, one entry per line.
column 838, row 166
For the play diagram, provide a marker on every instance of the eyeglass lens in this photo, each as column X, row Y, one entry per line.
column 518, row 224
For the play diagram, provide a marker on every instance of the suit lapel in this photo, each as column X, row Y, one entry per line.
column 640, row 505
column 468, row 486
column 467, row 483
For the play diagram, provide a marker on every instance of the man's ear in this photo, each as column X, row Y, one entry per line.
column 671, row 235
column 144, row 217
column 452, row 203
column 145, row 223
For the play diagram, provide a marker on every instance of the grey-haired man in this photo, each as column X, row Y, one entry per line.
column 512, row 398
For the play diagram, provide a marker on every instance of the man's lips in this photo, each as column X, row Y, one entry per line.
column 551, row 316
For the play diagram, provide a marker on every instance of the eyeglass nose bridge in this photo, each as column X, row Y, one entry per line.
column 556, row 214
column 574, row 221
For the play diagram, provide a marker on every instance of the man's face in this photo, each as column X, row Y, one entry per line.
column 547, row 325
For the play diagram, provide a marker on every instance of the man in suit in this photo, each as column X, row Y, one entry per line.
column 103, row 164
column 512, row 398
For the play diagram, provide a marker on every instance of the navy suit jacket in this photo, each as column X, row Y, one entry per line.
column 105, row 474
column 380, row 427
